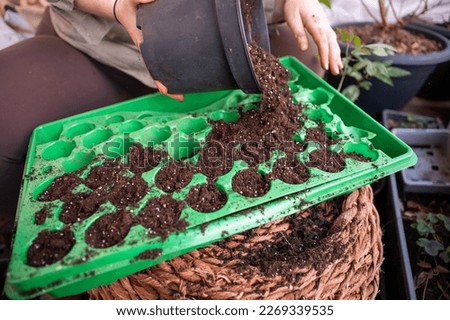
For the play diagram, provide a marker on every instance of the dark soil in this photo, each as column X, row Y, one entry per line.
column 250, row 183
column 50, row 247
column 326, row 160
column 141, row 160
column 162, row 216
column 41, row 216
column 149, row 254
column 431, row 276
column 305, row 243
column 206, row 198
column 60, row 187
column 128, row 191
column 78, row 207
column 404, row 41
column 108, row 230
column 216, row 159
column 104, row 175
column 292, row 172
column 320, row 136
column 411, row 121
column 358, row 157
column 174, row 177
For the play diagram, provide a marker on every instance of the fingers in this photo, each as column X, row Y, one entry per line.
column 295, row 23
column 163, row 89
column 308, row 15
column 126, row 12
column 336, row 64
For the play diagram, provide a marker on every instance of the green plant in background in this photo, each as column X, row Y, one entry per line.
column 430, row 241
column 358, row 66
column 326, row 2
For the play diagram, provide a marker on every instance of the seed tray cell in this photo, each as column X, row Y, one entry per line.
column 72, row 148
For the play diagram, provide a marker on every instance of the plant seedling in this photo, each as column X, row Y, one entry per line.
column 358, row 66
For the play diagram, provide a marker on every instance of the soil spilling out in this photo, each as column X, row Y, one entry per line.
column 206, row 198
column 404, row 41
column 50, row 247
column 174, row 177
column 162, row 216
column 250, row 183
column 304, row 240
column 109, row 230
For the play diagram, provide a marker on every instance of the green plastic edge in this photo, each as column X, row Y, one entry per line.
column 401, row 154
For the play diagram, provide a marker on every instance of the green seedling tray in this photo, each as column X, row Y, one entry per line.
column 78, row 143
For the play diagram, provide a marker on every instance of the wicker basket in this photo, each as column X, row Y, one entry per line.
column 339, row 259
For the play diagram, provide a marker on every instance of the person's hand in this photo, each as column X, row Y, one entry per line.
column 163, row 89
column 309, row 15
column 126, row 11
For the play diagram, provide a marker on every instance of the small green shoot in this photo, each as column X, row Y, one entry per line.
column 359, row 66
column 427, row 226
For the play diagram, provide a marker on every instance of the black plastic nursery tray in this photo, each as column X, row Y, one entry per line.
column 431, row 174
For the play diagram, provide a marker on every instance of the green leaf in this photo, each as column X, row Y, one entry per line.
column 378, row 70
column 432, row 247
column 422, row 227
column 351, row 92
column 445, row 220
column 357, row 41
column 396, row 72
column 360, row 64
column 381, row 49
column 370, row 68
column 361, row 51
column 366, row 85
column 432, row 218
column 326, row 2
column 445, row 255
column 355, row 74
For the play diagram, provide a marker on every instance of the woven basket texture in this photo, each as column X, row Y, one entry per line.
column 330, row 251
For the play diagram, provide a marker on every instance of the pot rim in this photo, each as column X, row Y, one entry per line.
column 411, row 59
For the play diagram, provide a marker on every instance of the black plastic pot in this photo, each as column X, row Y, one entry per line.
column 381, row 95
column 436, row 86
column 202, row 45
column 398, row 272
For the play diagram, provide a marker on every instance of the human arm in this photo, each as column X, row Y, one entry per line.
column 125, row 11
column 308, row 15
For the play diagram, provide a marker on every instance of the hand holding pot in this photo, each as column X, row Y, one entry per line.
column 125, row 12
column 309, row 15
